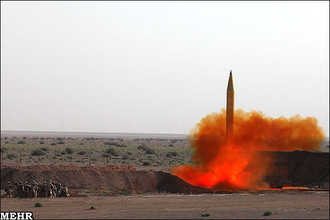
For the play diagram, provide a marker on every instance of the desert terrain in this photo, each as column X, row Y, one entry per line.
column 160, row 152
column 120, row 176
column 282, row 205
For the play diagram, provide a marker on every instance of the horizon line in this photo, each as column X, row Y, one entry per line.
column 92, row 132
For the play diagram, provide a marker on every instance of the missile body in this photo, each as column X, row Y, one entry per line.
column 230, row 108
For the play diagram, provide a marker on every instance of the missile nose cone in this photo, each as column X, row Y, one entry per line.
column 230, row 86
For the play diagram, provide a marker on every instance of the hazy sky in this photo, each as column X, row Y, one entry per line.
column 159, row 67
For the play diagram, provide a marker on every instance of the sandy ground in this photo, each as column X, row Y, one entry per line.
column 289, row 204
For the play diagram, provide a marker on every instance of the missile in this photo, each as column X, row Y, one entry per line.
column 230, row 108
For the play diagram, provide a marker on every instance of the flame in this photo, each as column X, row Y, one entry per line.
column 239, row 162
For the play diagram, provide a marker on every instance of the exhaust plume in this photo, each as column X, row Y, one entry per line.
column 238, row 163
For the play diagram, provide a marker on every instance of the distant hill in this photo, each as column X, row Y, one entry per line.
column 325, row 145
column 90, row 134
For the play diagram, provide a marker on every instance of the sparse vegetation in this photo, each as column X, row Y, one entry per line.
column 21, row 142
column 146, row 163
column 38, row 152
column 11, row 156
column 44, row 149
column 124, row 192
column 111, row 151
column 125, row 157
column 112, row 144
column 146, row 149
column 172, row 154
column 68, row 150
column 135, row 152
column 205, row 214
column 38, row 204
column 267, row 213
column 82, row 152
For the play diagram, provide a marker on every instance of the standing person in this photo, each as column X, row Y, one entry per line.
column 35, row 189
column 9, row 190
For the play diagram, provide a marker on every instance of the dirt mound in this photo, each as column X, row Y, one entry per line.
column 173, row 184
column 113, row 181
column 299, row 168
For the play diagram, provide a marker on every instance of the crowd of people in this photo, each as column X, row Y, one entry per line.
column 34, row 189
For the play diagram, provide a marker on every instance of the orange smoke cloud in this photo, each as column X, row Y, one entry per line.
column 239, row 163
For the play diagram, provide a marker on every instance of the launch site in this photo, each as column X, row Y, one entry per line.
column 164, row 110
